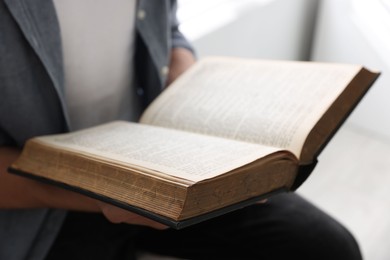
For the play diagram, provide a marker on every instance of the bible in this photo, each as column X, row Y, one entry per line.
column 225, row 134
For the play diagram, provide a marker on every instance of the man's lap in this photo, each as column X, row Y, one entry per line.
column 285, row 226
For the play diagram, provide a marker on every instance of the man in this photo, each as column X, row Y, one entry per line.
column 57, row 76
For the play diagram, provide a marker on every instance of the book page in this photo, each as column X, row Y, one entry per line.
column 184, row 155
column 272, row 103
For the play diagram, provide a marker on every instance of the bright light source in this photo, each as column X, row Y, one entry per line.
column 200, row 17
column 373, row 19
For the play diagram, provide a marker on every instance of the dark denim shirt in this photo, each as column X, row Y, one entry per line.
column 32, row 102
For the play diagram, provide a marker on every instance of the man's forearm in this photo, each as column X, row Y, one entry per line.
column 20, row 192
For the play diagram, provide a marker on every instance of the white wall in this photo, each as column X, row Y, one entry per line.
column 274, row 29
column 358, row 31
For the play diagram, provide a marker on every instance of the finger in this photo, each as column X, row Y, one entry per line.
column 119, row 215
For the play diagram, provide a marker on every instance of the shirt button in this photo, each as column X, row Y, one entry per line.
column 141, row 14
column 164, row 71
column 140, row 92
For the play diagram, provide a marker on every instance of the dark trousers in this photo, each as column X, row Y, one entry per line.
column 285, row 227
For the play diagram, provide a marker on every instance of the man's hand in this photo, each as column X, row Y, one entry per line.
column 181, row 60
column 118, row 215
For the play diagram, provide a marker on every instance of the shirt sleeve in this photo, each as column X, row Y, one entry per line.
column 178, row 39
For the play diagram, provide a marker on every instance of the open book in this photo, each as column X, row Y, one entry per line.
column 226, row 133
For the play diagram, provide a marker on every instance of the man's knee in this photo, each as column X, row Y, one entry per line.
column 315, row 234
